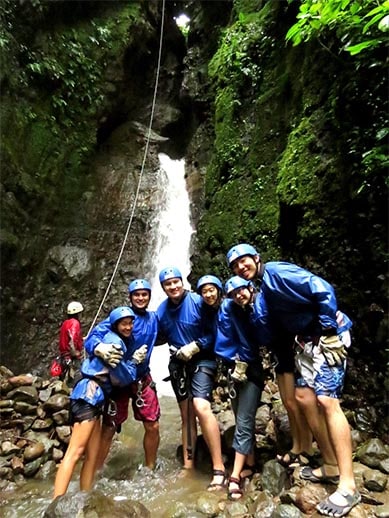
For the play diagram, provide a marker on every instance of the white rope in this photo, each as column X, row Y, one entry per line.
column 140, row 175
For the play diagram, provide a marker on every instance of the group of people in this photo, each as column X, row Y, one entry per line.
column 212, row 332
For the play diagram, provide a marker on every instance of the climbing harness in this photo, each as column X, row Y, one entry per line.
column 140, row 174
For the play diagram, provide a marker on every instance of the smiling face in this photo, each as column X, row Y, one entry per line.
column 242, row 296
column 246, row 266
column 210, row 294
column 124, row 326
column 140, row 299
column 174, row 289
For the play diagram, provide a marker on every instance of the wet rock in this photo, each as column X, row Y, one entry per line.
column 42, row 424
column 382, row 512
column 30, row 468
column 28, row 394
column 33, row 451
column 263, row 506
column 17, row 465
column 375, row 480
column 64, row 433
column 9, row 448
column 24, row 408
column 23, row 379
column 372, row 452
column 286, row 511
column 208, row 504
column 94, row 504
column 274, row 477
column 56, row 403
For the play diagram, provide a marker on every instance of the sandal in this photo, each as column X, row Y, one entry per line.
column 289, row 459
column 215, row 486
column 307, row 459
column 329, row 508
column 251, row 469
column 234, row 493
column 307, row 474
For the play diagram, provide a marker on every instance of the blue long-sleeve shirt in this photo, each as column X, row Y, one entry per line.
column 295, row 299
column 145, row 331
column 186, row 322
column 236, row 336
column 99, row 379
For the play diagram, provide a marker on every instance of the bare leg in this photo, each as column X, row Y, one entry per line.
column 183, row 405
column 107, row 433
column 317, row 423
column 78, row 441
column 300, row 431
column 151, row 443
column 88, row 469
column 340, row 437
column 211, row 432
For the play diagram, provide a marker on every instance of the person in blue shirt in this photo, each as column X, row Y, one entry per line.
column 301, row 303
column 237, row 349
column 192, row 368
column 142, row 391
column 88, row 398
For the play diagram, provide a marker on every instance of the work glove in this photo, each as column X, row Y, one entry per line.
column 140, row 354
column 186, row 352
column 239, row 372
column 111, row 354
column 333, row 350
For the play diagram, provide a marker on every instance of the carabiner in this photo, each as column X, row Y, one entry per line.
column 182, row 387
column 231, row 385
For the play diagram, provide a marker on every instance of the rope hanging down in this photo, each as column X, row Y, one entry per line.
column 140, row 175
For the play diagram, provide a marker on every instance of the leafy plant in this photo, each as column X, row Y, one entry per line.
column 359, row 25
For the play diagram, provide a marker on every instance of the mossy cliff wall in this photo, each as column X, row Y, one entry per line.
column 297, row 165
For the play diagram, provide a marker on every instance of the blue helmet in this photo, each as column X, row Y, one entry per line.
column 139, row 284
column 170, row 272
column 208, row 279
column 235, row 283
column 239, row 251
column 119, row 313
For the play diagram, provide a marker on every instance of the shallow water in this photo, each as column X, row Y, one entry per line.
column 157, row 490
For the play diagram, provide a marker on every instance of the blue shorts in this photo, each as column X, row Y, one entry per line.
column 189, row 379
column 314, row 372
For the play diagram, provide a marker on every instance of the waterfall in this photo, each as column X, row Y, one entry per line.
column 170, row 246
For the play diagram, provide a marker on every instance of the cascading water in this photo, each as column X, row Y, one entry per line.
column 170, row 246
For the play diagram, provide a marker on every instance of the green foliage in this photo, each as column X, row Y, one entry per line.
column 239, row 54
column 360, row 26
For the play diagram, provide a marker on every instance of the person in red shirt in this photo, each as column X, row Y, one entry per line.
column 71, row 342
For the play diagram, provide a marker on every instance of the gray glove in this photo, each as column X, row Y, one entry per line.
column 111, row 354
column 239, row 373
column 186, row 352
column 333, row 349
column 140, row 354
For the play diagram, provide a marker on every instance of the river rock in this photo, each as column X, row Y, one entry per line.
column 375, row 480
column 9, row 448
column 56, row 403
column 263, row 505
column 96, row 504
column 17, row 465
column 372, row 452
column 24, row 408
column 33, row 451
column 28, row 394
column 274, row 477
column 23, row 379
